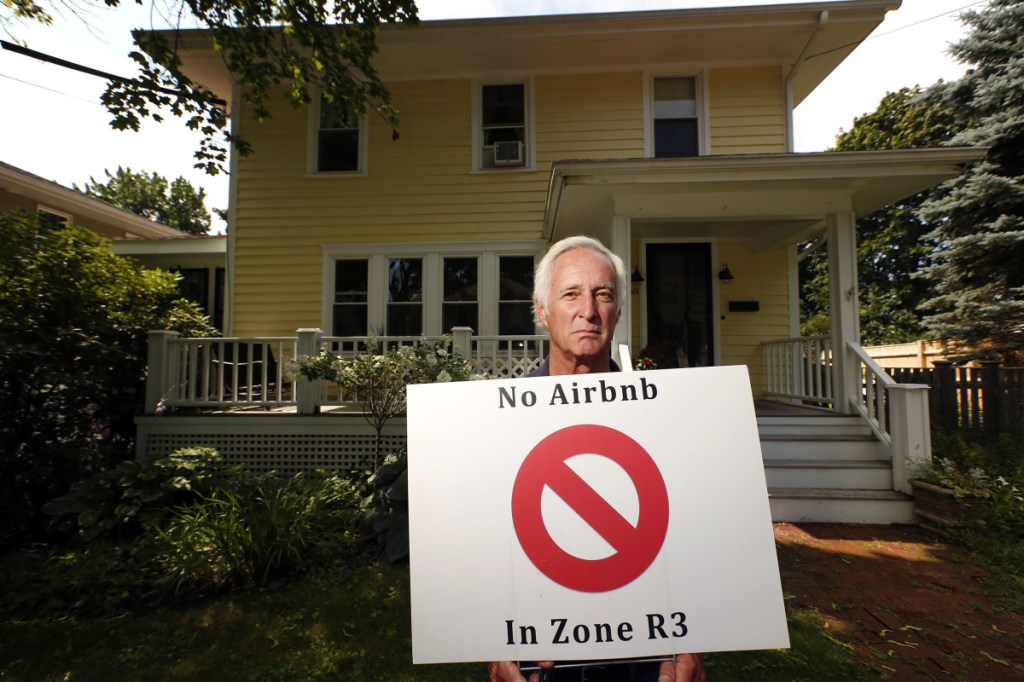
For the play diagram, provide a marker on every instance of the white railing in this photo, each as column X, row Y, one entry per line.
column 806, row 370
column 897, row 413
column 252, row 372
column 800, row 369
column 221, row 372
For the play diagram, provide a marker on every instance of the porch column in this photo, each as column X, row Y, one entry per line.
column 307, row 393
column 621, row 247
column 841, row 229
column 158, row 375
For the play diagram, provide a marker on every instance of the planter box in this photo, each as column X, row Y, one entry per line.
column 937, row 508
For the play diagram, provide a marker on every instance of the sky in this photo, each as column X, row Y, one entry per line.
column 54, row 126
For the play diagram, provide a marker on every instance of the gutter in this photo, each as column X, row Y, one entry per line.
column 788, row 80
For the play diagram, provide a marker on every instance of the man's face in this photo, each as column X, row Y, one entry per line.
column 582, row 306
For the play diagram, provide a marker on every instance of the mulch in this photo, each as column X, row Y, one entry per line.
column 910, row 606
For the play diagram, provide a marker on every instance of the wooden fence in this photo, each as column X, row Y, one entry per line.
column 986, row 400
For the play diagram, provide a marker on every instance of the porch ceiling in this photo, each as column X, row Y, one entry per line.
column 771, row 199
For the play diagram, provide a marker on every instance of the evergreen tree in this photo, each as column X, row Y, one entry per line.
column 890, row 245
column 177, row 204
column 978, row 270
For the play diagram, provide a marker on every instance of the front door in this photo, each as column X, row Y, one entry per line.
column 680, row 324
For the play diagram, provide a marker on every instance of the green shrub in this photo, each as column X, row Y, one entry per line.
column 386, row 509
column 991, row 472
column 73, row 323
column 120, row 502
column 266, row 528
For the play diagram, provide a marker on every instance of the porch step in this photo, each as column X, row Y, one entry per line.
column 826, row 424
column 829, row 505
column 821, row 447
column 832, row 474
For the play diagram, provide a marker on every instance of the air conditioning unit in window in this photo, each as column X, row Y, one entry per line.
column 509, row 154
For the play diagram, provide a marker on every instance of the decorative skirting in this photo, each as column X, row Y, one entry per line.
column 286, row 443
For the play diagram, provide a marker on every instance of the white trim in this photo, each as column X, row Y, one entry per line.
column 716, row 315
column 232, row 226
column 312, row 144
column 476, row 130
column 700, row 86
column 793, row 266
column 43, row 208
column 432, row 253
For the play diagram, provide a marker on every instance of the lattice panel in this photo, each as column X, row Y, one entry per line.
column 287, row 453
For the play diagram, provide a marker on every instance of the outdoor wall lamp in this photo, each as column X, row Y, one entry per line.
column 637, row 279
column 724, row 274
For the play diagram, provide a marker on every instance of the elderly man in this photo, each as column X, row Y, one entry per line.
column 577, row 295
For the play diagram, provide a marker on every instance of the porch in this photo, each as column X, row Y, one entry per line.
column 830, row 454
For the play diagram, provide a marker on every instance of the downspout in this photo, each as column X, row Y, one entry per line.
column 822, row 20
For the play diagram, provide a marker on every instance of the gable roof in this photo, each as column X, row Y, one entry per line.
column 107, row 219
column 808, row 40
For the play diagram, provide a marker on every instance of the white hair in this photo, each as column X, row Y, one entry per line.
column 542, row 276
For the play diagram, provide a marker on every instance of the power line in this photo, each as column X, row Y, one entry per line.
column 58, row 92
column 18, row 49
column 857, row 43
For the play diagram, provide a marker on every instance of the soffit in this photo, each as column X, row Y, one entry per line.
column 809, row 39
column 770, row 199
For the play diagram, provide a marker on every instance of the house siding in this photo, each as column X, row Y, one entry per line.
column 760, row 277
column 421, row 187
column 747, row 110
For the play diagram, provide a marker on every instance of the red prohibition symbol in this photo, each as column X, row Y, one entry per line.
column 635, row 547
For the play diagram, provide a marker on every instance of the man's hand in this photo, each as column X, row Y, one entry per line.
column 686, row 668
column 507, row 671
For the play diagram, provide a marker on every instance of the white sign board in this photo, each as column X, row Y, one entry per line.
column 590, row 517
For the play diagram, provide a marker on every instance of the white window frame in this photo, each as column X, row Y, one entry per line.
column 433, row 277
column 313, row 139
column 67, row 217
column 530, row 161
column 703, row 109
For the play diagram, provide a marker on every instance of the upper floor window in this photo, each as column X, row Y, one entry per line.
column 503, row 132
column 53, row 217
column 340, row 144
column 676, row 130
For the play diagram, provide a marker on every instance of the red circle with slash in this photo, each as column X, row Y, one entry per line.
column 635, row 547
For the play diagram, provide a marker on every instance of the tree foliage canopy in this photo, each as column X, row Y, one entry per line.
column 299, row 46
column 177, row 204
column 73, row 323
column 890, row 246
column 978, row 217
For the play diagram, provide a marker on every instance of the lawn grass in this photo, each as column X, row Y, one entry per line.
column 342, row 623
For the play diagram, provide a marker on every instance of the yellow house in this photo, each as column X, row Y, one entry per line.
column 666, row 134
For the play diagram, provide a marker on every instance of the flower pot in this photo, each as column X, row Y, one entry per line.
column 938, row 508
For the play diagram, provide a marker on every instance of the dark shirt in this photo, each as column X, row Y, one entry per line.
column 545, row 369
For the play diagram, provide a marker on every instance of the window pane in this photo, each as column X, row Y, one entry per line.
column 350, row 297
column 675, row 138
column 504, row 105
column 338, row 150
column 405, row 280
column 460, row 279
column 349, row 320
column 336, row 116
column 350, row 277
column 405, row 319
column 675, row 98
column 515, row 319
column 459, row 315
column 515, row 275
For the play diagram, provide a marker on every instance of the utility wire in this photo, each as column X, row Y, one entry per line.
column 58, row 92
column 896, row 30
column 18, row 49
